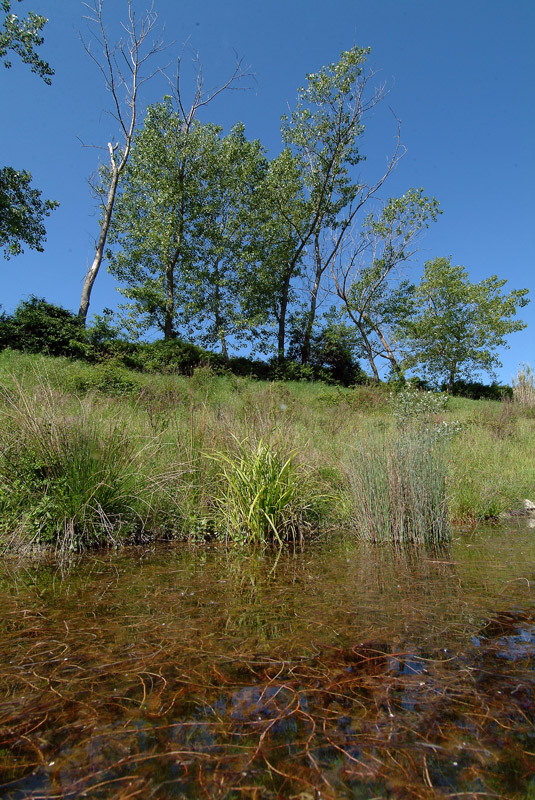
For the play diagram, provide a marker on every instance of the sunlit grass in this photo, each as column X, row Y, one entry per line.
column 397, row 486
column 91, row 458
column 263, row 495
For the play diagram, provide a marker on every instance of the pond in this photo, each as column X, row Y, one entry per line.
column 340, row 671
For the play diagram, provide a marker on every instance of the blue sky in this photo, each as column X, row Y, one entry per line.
column 461, row 78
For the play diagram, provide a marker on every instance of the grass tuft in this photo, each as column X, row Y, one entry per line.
column 263, row 497
column 73, row 478
column 397, row 487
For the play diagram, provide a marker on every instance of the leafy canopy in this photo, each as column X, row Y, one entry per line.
column 456, row 326
column 23, row 36
column 22, row 212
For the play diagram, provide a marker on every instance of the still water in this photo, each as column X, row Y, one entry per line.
column 340, row 671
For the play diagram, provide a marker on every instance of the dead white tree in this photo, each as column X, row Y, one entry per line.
column 123, row 66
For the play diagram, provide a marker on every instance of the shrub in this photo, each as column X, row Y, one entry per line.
column 40, row 327
column 108, row 378
column 475, row 390
column 175, row 356
column 409, row 405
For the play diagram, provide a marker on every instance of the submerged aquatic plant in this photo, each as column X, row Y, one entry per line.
column 263, row 496
column 397, row 487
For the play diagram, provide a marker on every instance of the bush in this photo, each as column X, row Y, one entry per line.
column 479, row 391
column 110, row 378
column 175, row 356
column 40, row 327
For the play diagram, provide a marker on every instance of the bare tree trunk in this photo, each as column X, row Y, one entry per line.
column 389, row 353
column 101, row 242
column 369, row 350
column 118, row 80
column 320, row 269
column 281, row 335
column 168, row 326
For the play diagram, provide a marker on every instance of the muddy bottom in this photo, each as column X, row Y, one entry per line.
column 343, row 671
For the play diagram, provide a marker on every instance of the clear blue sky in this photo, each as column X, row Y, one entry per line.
column 461, row 75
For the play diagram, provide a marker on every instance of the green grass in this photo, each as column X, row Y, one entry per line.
column 264, row 497
column 95, row 456
column 397, row 487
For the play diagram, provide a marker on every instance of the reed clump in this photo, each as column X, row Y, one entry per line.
column 524, row 386
column 397, row 487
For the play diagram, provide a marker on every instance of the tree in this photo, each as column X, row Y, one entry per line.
column 22, row 210
column 457, row 326
column 122, row 66
column 181, row 236
column 134, row 53
column 23, row 36
column 323, row 134
column 154, row 249
column 223, row 299
column 367, row 272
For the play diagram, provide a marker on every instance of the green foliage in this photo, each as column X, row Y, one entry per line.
column 40, row 327
column 334, row 349
column 23, row 36
column 182, row 234
column 263, row 496
column 175, row 356
column 369, row 285
column 398, row 488
column 109, row 378
column 22, row 212
column 476, row 390
column 74, row 483
column 457, row 326
column 324, row 129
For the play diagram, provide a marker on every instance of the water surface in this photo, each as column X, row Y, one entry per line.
column 343, row 671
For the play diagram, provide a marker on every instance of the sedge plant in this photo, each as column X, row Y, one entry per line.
column 263, row 495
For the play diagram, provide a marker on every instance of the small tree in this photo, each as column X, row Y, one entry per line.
column 457, row 326
column 323, row 134
column 367, row 272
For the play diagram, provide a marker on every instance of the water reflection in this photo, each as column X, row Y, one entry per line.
column 340, row 671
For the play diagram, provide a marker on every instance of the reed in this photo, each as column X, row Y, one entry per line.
column 524, row 386
column 397, row 487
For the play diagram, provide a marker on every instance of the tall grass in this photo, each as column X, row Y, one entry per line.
column 83, row 464
column 74, row 478
column 524, row 386
column 397, row 487
column 263, row 497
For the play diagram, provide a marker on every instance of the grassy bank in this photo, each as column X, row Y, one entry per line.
column 99, row 455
